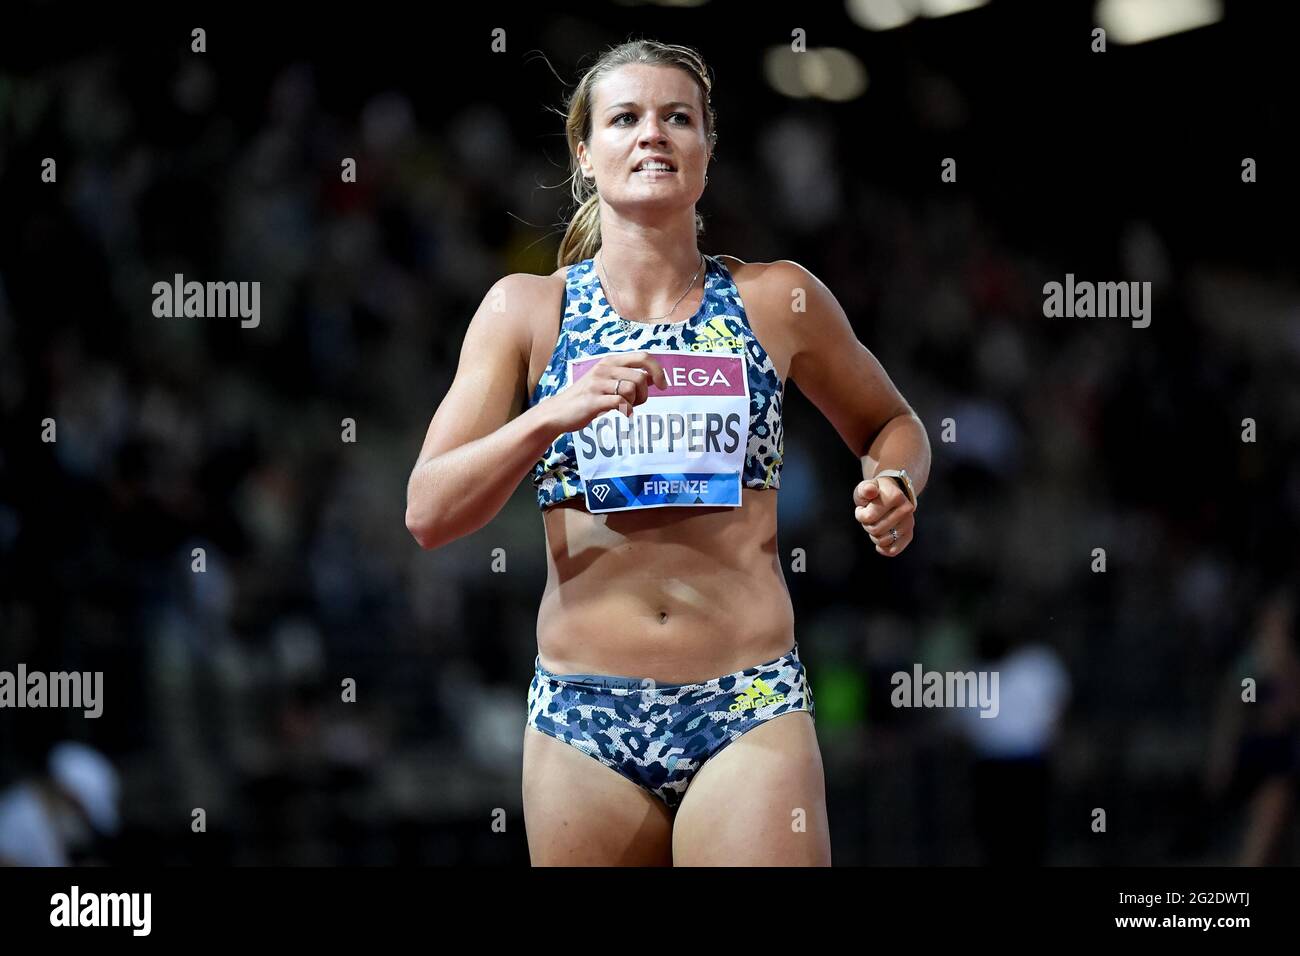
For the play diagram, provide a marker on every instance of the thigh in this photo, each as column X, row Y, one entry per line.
column 580, row 812
column 743, row 806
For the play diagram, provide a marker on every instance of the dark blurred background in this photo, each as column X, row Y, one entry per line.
column 1120, row 690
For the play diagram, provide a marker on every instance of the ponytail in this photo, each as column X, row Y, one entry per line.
column 582, row 238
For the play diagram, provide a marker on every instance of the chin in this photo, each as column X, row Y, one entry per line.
column 664, row 211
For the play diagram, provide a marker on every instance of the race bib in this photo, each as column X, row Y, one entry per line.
column 684, row 446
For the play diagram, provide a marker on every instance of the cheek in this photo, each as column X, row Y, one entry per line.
column 612, row 155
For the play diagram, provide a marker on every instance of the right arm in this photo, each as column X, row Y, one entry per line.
column 478, row 446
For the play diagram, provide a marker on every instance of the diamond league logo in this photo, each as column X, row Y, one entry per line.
column 600, row 492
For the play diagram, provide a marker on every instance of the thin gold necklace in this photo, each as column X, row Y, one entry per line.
column 627, row 323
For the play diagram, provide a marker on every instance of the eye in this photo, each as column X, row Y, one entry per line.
column 686, row 120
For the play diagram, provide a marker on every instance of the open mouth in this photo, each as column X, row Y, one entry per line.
column 655, row 168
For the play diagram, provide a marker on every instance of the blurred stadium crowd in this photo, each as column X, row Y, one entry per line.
column 222, row 688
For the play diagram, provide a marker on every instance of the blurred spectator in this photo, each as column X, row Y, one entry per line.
column 1011, row 776
column 1255, row 745
column 49, row 819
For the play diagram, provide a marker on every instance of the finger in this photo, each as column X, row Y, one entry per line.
column 894, row 548
column 649, row 366
column 637, row 377
column 884, row 540
column 866, row 491
column 661, row 376
column 640, row 385
column 885, row 535
column 871, row 514
column 656, row 370
column 626, row 391
column 895, row 519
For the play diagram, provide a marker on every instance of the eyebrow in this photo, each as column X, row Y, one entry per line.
column 615, row 106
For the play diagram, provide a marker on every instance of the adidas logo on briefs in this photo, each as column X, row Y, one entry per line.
column 600, row 492
column 758, row 694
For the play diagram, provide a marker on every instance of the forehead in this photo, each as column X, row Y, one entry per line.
column 646, row 84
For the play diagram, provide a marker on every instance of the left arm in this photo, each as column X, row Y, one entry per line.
column 851, row 388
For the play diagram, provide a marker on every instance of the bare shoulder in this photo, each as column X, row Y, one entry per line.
column 518, row 292
column 773, row 293
column 547, row 302
column 781, row 275
column 520, row 303
column 537, row 307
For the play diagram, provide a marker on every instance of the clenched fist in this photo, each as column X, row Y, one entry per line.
column 881, row 506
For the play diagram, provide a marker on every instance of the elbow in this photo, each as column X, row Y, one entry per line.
column 421, row 529
column 905, row 412
column 920, row 427
column 424, row 530
column 907, row 415
column 422, row 509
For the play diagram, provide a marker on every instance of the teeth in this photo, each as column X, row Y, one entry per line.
column 654, row 165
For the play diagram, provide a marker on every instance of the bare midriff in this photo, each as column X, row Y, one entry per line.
column 678, row 595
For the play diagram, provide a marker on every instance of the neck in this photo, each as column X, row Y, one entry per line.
column 649, row 263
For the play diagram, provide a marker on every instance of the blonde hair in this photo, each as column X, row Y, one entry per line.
column 582, row 237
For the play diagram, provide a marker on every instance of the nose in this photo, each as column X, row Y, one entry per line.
column 653, row 133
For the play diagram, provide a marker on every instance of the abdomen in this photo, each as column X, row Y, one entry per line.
column 676, row 594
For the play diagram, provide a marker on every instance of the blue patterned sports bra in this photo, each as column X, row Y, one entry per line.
column 590, row 326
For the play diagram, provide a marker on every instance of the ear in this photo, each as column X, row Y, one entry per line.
column 583, row 164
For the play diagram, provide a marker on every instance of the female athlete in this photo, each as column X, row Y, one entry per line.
column 670, row 721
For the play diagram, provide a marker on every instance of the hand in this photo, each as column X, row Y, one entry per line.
column 881, row 505
column 619, row 380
